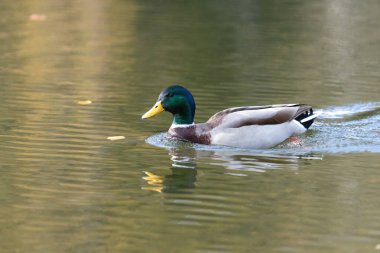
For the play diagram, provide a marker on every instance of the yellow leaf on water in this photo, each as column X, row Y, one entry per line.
column 115, row 138
column 84, row 102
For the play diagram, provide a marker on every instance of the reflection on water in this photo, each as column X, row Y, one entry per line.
column 186, row 158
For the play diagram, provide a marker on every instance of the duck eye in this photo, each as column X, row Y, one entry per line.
column 169, row 95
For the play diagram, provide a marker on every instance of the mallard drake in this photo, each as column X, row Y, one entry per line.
column 246, row 127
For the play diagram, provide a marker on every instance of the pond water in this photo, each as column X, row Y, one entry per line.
column 64, row 187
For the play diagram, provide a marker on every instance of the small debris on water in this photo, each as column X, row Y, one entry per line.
column 377, row 247
column 37, row 17
column 84, row 102
column 116, row 138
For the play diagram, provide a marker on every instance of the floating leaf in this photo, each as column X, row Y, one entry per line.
column 84, row 102
column 116, row 138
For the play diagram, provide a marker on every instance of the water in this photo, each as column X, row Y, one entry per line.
column 65, row 188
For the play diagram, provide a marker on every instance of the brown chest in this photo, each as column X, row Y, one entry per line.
column 190, row 134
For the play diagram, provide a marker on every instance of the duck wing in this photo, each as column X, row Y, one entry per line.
column 262, row 115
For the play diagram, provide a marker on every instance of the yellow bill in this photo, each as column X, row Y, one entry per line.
column 156, row 109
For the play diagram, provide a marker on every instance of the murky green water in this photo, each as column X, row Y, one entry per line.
column 65, row 188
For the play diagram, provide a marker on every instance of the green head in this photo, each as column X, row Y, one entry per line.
column 176, row 100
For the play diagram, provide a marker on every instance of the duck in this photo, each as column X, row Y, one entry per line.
column 257, row 127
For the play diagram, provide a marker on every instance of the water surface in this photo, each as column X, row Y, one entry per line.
column 65, row 188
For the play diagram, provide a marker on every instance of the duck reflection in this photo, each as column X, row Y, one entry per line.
column 183, row 174
column 185, row 160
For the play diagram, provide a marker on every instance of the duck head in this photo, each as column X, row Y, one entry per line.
column 178, row 101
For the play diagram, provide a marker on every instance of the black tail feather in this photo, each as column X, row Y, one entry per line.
column 305, row 115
